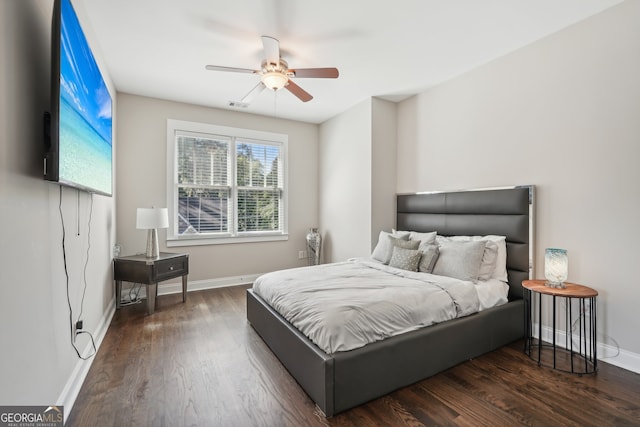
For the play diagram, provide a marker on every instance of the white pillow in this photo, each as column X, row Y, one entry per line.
column 500, row 270
column 423, row 237
column 384, row 249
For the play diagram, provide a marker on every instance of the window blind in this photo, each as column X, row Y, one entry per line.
column 227, row 185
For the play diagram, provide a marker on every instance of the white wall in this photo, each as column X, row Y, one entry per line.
column 141, row 181
column 345, row 184
column 383, row 167
column 563, row 114
column 357, row 178
column 38, row 365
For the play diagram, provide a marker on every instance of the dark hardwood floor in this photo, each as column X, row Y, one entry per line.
column 201, row 364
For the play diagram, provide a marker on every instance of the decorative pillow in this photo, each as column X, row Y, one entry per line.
column 384, row 248
column 405, row 244
column 460, row 260
column 429, row 257
column 404, row 235
column 489, row 258
column 500, row 269
column 406, row 259
column 423, row 237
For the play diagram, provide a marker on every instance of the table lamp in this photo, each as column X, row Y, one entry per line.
column 556, row 267
column 151, row 219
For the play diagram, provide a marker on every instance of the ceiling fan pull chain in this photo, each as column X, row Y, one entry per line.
column 275, row 104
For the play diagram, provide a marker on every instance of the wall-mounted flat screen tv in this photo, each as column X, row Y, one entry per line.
column 78, row 145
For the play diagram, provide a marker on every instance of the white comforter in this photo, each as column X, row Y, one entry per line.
column 343, row 306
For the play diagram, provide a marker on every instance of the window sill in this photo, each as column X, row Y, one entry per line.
column 197, row 241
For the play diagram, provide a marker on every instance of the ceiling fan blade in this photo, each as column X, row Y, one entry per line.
column 257, row 90
column 231, row 69
column 271, row 50
column 325, row 73
column 298, row 91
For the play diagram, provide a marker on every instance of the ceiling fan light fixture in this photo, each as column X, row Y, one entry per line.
column 275, row 73
column 275, row 80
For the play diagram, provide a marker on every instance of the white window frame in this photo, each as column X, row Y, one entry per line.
column 175, row 239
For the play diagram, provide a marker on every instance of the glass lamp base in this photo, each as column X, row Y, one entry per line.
column 559, row 285
column 152, row 244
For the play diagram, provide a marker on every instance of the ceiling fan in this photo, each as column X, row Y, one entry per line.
column 275, row 73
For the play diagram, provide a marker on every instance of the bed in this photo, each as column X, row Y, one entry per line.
column 345, row 379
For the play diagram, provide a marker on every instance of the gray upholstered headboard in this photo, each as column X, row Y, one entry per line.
column 503, row 212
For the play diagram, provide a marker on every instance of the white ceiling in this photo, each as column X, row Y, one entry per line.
column 390, row 49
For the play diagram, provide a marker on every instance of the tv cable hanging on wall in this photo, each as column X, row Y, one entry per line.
column 79, row 322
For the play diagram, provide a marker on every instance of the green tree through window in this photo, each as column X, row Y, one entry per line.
column 258, row 187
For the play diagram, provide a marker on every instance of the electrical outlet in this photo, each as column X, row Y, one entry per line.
column 302, row 254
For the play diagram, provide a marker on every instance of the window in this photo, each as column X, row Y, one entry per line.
column 225, row 185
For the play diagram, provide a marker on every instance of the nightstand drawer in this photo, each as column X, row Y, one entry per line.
column 169, row 268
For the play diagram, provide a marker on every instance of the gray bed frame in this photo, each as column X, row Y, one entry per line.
column 340, row 381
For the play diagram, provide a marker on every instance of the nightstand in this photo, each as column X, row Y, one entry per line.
column 578, row 300
column 150, row 271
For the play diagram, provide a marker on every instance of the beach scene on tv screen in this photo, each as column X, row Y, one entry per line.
column 85, row 112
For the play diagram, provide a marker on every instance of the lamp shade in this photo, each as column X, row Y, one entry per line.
column 150, row 218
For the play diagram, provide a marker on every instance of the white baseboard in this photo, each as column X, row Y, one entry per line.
column 605, row 352
column 71, row 389
column 200, row 285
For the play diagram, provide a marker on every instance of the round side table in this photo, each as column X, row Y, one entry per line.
column 576, row 359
